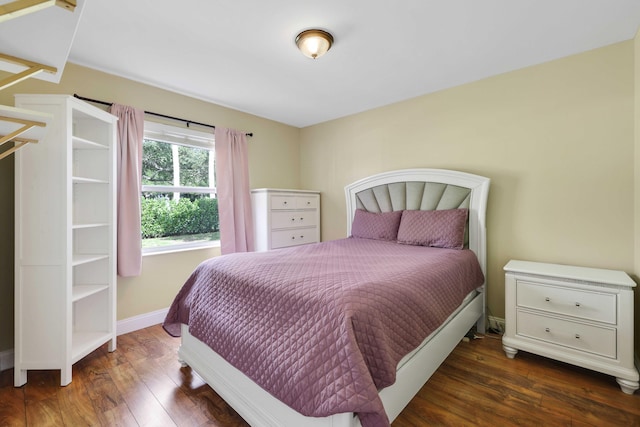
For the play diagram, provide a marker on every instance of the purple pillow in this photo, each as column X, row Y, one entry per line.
column 438, row 229
column 378, row 226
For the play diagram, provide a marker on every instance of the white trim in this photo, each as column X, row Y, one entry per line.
column 6, row 359
column 172, row 249
column 178, row 135
column 141, row 321
column 177, row 189
column 180, row 247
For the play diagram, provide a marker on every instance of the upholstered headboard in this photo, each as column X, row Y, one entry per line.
column 425, row 189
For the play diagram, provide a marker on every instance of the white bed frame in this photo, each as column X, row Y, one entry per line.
column 259, row 408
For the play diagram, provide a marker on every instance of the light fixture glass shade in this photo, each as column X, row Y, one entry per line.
column 314, row 43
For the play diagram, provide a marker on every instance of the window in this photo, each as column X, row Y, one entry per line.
column 179, row 205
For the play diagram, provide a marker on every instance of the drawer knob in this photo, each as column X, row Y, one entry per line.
column 547, row 299
column 301, row 219
column 577, row 336
column 284, row 203
column 293, row 219
column 293, row 237
column 547, row 330
column 577, row 304
column 302, row 237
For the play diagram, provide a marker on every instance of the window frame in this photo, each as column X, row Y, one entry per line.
column 186, row 137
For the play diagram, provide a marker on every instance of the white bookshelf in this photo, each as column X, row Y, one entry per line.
column 65, row 289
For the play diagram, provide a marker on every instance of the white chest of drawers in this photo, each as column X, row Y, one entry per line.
column 582, row 316
column 285, row 218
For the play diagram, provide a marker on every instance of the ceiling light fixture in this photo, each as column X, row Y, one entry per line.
column 314, row 43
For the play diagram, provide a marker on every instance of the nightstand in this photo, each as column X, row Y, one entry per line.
column 582, row 316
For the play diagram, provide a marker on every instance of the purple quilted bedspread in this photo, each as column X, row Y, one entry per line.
column 322, row 327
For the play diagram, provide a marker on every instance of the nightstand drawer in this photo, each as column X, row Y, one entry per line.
column 578, row 303
column 281, row 219
column 589, row 338
column 302, row 236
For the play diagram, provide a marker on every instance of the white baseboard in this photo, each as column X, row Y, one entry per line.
column 140, row 322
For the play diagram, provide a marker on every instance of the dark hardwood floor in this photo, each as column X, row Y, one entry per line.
column 142, row 384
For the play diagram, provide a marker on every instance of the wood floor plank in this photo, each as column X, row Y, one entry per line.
column 102, row 391
column 75, row 404
column 44, row 412
column 221, row 413
column 118, row 416
column 482, row 402
column 482, row 369
column 129, row 347
column 143, row 384
column 586, row 410
column 12, row 406
column 143, row 405
column 579, row 387
column 180, row 407
column 41, row 385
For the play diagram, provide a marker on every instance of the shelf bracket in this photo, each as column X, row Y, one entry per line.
column 23, row 7
column 13, row 136
column 33, row 68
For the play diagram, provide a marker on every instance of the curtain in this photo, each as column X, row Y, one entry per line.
column 232, row 184
column 129, row 177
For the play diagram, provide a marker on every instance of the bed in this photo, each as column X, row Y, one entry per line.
column 374, row 366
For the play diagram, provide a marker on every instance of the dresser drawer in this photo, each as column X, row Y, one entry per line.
column 578, row 303
column 593, row 339
column 307, row 202
column 280, row 202
column 302, row 236
column 283, row 219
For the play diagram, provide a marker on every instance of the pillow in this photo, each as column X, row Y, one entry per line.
column 438, row 229
column 378, row 226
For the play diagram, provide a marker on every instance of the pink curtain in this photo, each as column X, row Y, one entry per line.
column 232, row 184
column 129, row 155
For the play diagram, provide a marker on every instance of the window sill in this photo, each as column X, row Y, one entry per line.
column 179, row 248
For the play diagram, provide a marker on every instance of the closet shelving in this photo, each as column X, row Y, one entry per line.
column 65, row 238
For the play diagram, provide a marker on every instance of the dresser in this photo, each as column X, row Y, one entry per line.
column 582, row 316
column 284, row 218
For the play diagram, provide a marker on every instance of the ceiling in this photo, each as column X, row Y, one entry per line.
column 241, row 54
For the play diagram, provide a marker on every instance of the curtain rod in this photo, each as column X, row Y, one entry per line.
column 152, row 113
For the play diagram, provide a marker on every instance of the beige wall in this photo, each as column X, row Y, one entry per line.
column 557, row 141
column 273, row 152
